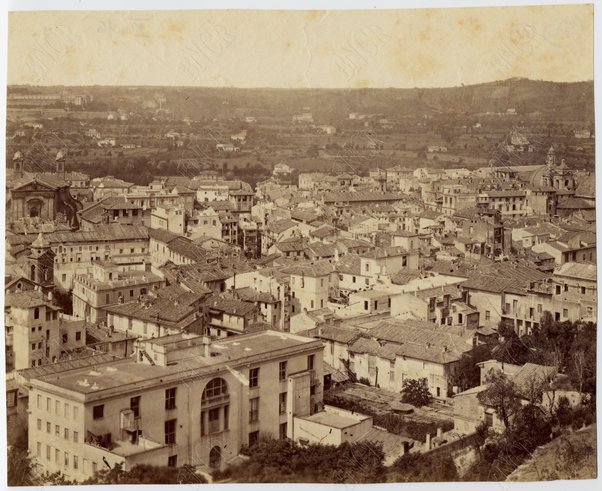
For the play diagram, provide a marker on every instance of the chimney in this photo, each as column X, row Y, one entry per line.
column 439, row 432
column 206, row 346
column 427, row 443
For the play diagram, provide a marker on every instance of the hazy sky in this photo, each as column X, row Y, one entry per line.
column 376, row 48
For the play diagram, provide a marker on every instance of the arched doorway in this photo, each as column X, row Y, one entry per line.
column 215, row 457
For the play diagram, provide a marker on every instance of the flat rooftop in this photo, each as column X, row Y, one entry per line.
column 121, row 373
column 335, row 419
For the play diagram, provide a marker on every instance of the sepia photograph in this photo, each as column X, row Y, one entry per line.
column 300, row 246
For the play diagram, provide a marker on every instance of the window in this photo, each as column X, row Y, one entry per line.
column 282, row 431
column 214, row 420
column 565, row 313
column 78, row 336
column 66, row 409
column 282, row 404
column 39, row 424
column 254, row 377
column 47, row 452
column 531, row 312
column 98, row 412
column 66, row 459
column 57, row 455
column 39, row 399
column 226, row 417
column 254, row 410
column 365, row 304
column 539, row 308
column 135, row 406
column 75, row 437
column 282, row 371
column 172, row 460
column 94, row 467
column 65, row 338
column 582, row 290
column 36, row 313
column 170, row 398
column 487, row 315
column 75, row 412
column 66, row 433
column 170, row 432
column 310, row 362
column 39, row 448
column 353, row 279
column 75, row 462
column 48, row 428
column 215, row 389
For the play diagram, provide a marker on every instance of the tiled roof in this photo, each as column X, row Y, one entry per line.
column 585, row 271
column 319, row 268
column 421, row 340
column 230, row 305
column 27, row 299
column 280, row 226
column 162, row 235
column 292, row 245
column 349, row 264
column 322, row 250
column 345, row 196
column 104, row 232
column 339, row 334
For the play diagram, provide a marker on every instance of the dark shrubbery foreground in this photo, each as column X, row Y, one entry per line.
column 285, row 461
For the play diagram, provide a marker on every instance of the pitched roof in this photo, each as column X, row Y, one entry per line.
column 349, row 264
column 585, row 271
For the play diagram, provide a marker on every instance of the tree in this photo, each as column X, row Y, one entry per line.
column 416, row 392
column 502, row 395
column 20, row 468
column 147, row 474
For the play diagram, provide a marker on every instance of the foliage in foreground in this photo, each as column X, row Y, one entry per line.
column 286, row 461
column 21, row 472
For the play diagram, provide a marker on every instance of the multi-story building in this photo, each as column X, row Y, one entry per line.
column 32, row 334
column 311, row 286
column 171, row 218
column 75, row 252
column 179, row 400
column 108, row 284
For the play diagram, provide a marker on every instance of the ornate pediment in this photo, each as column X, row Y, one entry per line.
column 32, row 186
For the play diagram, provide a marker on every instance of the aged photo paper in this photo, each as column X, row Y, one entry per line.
column 300, row 246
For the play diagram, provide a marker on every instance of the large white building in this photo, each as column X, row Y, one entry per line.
column 179, row 400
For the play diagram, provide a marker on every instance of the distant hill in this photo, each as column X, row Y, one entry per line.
column 573, row 101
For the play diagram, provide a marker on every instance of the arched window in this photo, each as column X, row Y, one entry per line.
column 215, row 408
column 214, row 390
column 33, row 272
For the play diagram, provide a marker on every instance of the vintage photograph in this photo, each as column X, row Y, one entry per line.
column 334, row 246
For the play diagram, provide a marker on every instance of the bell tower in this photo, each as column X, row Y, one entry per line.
column 18, row 164
column 41, row 262
column 60, row 163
